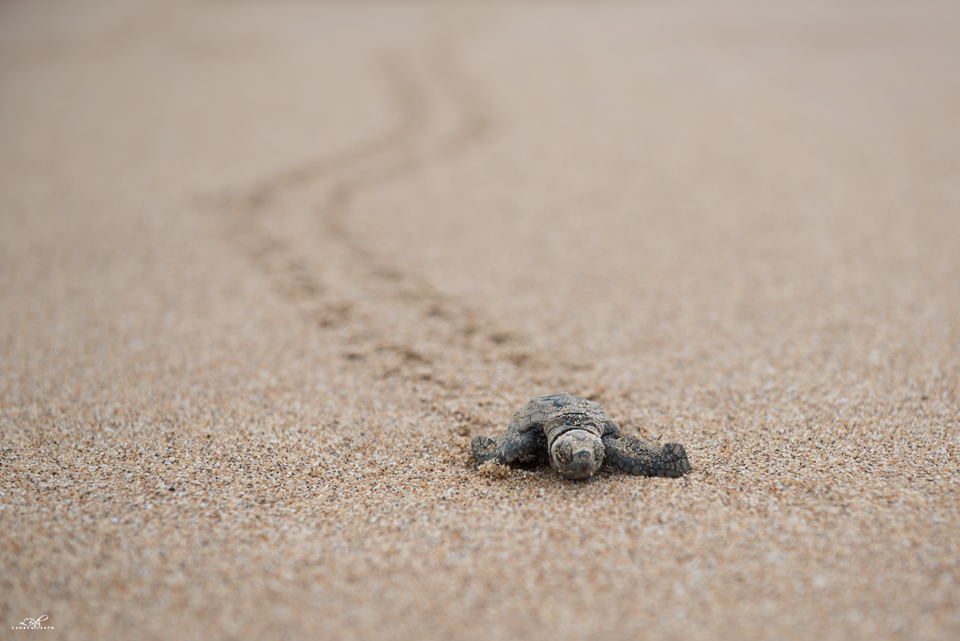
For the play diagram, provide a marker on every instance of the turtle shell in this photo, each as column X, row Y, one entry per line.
column 540, row 411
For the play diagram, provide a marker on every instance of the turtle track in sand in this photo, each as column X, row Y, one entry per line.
column 296, row 228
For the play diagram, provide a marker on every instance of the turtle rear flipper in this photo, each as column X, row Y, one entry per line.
column 634, row 456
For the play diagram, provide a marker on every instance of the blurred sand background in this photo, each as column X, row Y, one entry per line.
column 266, row 267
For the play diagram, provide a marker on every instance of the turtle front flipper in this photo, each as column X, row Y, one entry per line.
column 634, row 456
column 484, row 448
column 508, row 447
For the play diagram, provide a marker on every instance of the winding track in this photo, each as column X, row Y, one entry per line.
column 296, row 227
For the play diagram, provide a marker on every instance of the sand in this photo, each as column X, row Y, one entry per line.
column 266, row 269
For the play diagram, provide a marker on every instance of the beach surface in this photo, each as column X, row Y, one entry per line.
column 266, row 268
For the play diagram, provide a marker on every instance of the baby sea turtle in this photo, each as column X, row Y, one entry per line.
column 579, row 438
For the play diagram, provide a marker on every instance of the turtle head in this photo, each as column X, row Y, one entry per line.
column 577, row 454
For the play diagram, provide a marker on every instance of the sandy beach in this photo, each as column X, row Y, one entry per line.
column 266, row 268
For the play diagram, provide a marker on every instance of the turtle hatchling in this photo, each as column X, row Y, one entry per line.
column 579, row 437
